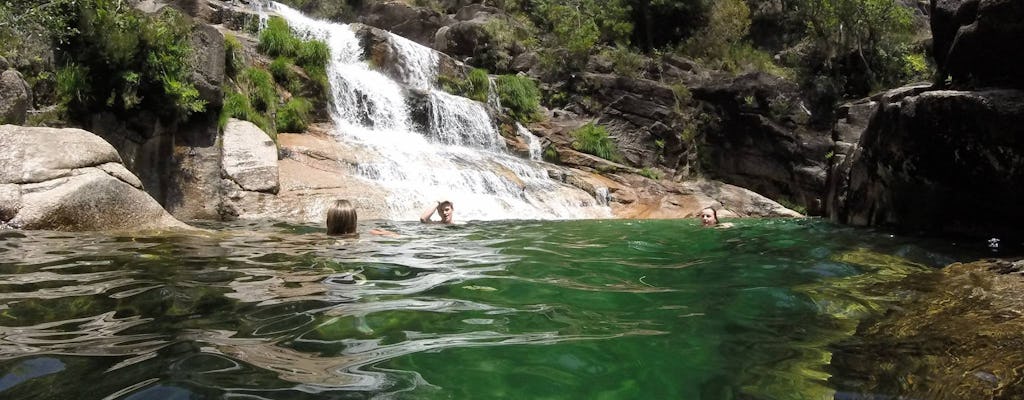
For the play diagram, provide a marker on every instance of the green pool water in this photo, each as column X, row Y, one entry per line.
column 493, row 310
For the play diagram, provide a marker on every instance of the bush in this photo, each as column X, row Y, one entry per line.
column 294, row 115
column 594, row 139
column 625, row 61
column 259, row 85
column 520, row 95
column 277, row 39
column 73, row 86
column 281, row 70
column 650, row 173
column 236, row 105
column 312, row 55
column 476, row 86
column 234, row 60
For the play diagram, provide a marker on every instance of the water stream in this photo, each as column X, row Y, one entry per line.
column 460, row 156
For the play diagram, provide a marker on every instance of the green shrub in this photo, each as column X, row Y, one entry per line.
column 236, row 105
column 73, row 85
column 234, row 60
column 168, row 51
column 625, row 61
column 479, row 84
column 650, row 173
column 476, row 86
column 594, row 139
column 277, row 39
column 551, row 155
column 294, row 115
column 312, row 55
column 520, row 95
column 259, row 85
column 281, row 70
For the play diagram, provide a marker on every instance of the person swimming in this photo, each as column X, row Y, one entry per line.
column 342, row 219
column 444, row 209
column 708, row 217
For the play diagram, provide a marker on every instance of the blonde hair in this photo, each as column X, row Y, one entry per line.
column 341, row 218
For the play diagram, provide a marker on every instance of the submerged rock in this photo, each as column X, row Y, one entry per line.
column 72, row 180
column 960, row 336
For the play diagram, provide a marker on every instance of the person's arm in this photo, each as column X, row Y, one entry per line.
column 429, row 212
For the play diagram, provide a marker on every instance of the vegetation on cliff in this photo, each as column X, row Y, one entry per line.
column 106, row 56
column 273, row 95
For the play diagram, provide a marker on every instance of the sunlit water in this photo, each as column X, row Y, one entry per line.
column 496, row 310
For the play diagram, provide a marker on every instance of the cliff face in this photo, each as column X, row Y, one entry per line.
column 923, row 159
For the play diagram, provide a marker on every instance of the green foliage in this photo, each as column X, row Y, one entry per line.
column 476, row 86
column 234, row 60
column 916, row 66
column 312, row 54
column 520, row 95
column 259, row 85
column 625, row 61
column 860, row 45
column 277, row 39
column 650, row 173
column 118, row 59
column 294, row 115
column 281, row 70
column 238, row 105
column 594, row 139
column 551, row 155
column 73, row 85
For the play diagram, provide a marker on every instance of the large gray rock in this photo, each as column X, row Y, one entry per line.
column 70, row 179
column 762, row 140
column 937, row 162
column 15, row 98
column 208, row 62
column 979, row 42
column 418, row 24
column 249, row 157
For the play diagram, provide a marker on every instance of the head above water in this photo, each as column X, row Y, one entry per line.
column 708, row 217
column 341, row 218
column 445, row 210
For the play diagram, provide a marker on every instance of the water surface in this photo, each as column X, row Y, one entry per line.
column 612, row 309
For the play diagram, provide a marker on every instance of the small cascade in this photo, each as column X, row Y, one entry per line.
column 602, row 195
column 456, row 121
column 419, row 64
column 531, row 140
column 493, row 99
column 461, row 158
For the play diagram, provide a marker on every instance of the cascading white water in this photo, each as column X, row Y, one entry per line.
column 419, row 64
column 464, row 162
column 532, row 141
column 459, row 121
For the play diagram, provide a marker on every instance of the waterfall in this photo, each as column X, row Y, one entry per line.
column 419, row 64
column 459, row 121
column 532, row 141
column 460, row 158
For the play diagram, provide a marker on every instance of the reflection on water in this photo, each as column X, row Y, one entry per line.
column 575, row 309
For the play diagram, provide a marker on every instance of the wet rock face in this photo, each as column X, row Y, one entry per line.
column 979, row 42
column 960, row 336
column 762, row 141
column 940, row 162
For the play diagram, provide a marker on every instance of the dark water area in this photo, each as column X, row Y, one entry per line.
column 613, row 309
